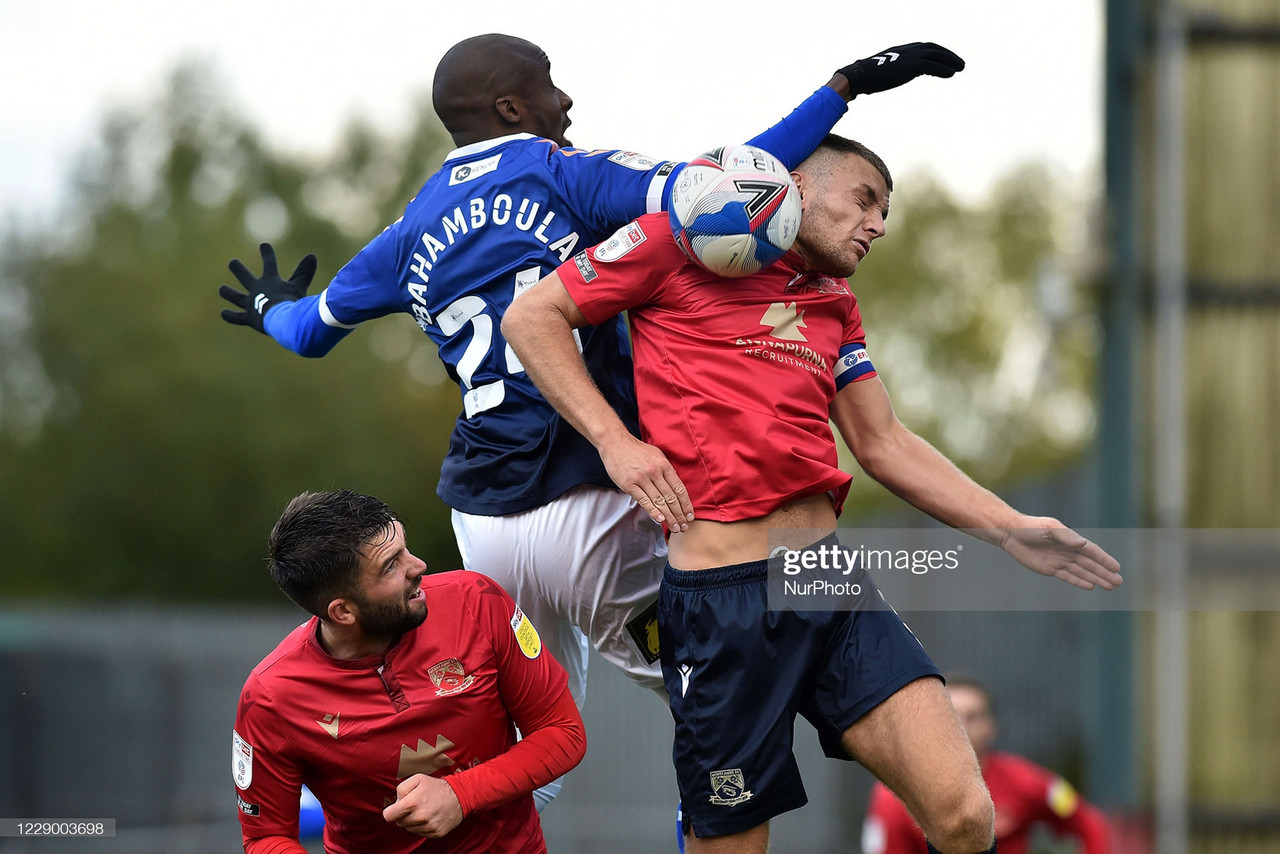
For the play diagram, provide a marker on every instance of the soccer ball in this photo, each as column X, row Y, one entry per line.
column 735, row 210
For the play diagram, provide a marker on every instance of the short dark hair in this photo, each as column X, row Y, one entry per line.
column 840, row 145
column 316, row 547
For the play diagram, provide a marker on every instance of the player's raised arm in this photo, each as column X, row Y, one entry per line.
column 798, row 134
column 538, row 326
column 918, row 473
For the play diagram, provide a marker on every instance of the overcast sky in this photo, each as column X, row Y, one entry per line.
column 651, row 76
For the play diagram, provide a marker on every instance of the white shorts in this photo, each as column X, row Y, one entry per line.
column 589, row 563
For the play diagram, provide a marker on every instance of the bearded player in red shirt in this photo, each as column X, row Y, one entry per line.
column 737, row 381
column 397, row 703
column 1025, row 795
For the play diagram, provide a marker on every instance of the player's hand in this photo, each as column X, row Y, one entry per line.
column 1046, row 546
column 895, row 66
column 426, row 806
column 266, row 291
column 643, row 472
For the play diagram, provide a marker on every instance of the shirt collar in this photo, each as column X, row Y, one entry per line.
column 486, row 144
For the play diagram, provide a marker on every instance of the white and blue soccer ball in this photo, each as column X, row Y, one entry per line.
column 735, row 210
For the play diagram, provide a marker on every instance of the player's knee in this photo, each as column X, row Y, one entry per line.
column 965, row 825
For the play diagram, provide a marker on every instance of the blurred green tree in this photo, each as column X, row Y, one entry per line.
column 164, row 442
column 979, row 322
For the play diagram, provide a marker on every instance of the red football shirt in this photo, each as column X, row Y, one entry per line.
column 446, row 697
column 734, row 377
column 1024, row 794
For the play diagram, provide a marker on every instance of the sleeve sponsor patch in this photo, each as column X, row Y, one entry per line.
column 248, row 808
column 620, row 243
column 1062, row 798
column 585, row 267
column 241, row 761
column 853, row 364
column 526, row 634
column 632, row 160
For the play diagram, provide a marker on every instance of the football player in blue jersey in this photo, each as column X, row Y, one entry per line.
column 532, row 504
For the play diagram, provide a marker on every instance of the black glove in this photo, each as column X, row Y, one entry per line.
column 266, row 291
column 890, row 68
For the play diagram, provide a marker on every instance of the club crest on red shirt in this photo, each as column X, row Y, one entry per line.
column 450, row 677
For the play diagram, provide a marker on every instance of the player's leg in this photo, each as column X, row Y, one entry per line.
column 600, row 563
column 914, row 743
column 879, row 699
column 735, row 672
column 754, row 841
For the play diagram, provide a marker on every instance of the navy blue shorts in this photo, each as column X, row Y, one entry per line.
column 737, row 675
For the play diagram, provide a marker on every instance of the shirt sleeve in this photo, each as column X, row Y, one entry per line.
column 366, row 287
column 798, row 134
column 853, row 363
column 534, row 690
column 888, row 827
column 552, row 743
column 274, row 845
column 268, row 783
column 608, row 188
column 624, row 271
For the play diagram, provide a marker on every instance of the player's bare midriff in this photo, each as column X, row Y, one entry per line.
column 710, row 544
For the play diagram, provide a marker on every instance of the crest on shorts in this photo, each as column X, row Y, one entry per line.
column 728, row 788
column 450, row 677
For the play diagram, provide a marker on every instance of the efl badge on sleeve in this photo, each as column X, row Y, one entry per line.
column 526, row 634
column 1062, row 798
column 241, row 761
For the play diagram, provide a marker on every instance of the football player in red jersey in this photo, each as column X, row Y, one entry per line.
column 397, row 703
column 1025, row 795
column 737, row 381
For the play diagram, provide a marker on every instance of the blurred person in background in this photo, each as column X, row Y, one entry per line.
column 1025, row 795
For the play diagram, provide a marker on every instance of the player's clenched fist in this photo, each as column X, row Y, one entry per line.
column 426, row 806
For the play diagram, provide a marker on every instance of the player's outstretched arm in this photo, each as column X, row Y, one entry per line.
column 264, row 292
column 539, row 327
column 798, row 134
column 918, row 473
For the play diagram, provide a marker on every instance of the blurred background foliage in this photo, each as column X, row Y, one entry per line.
column 146, row 446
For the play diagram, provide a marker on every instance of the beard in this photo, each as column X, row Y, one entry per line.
column 380, row 619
